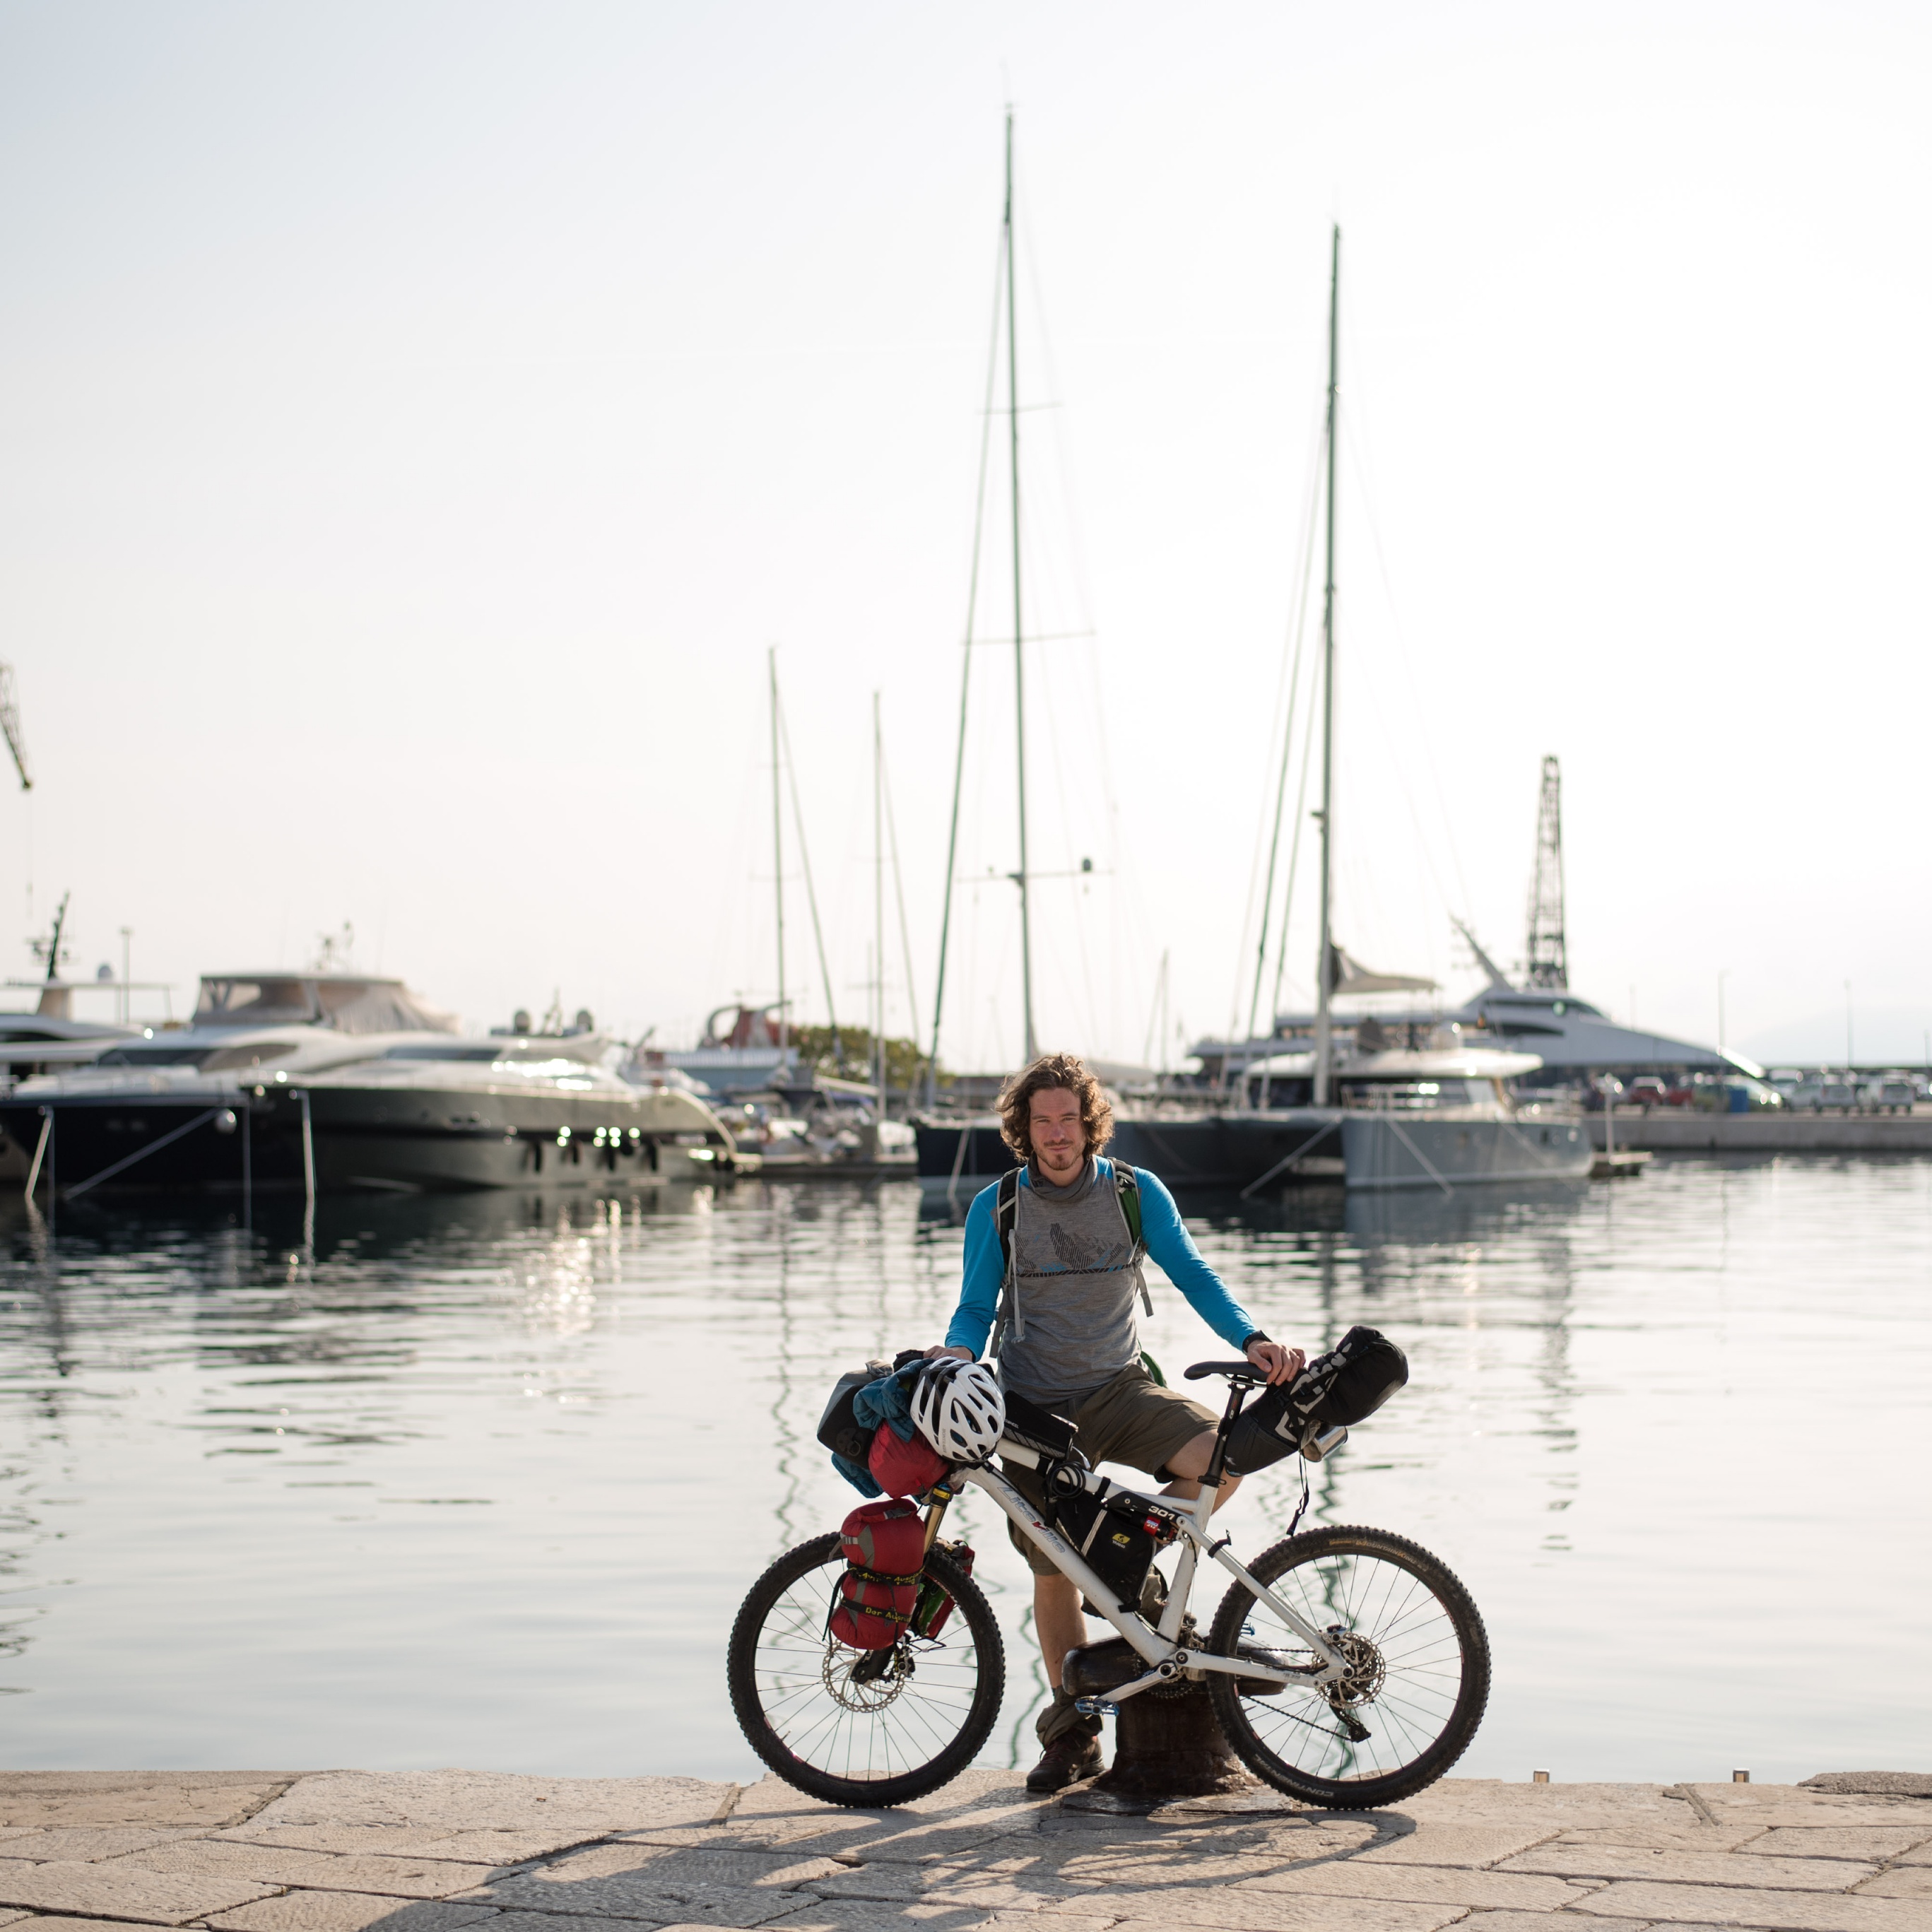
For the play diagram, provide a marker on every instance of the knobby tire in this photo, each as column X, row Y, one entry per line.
column 1423, row 1679
column 776, row 1704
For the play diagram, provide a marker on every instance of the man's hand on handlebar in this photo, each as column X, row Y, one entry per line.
column 1282, row 1365
column 933, row 1354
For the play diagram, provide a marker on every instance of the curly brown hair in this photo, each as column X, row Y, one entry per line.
column 1066, row 1070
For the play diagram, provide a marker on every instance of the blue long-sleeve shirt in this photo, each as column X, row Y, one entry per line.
column 1168, row 1245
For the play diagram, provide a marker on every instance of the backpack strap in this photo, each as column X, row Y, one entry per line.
column 1127, row 1185
column 1127, row 1188
column 1005, row 1212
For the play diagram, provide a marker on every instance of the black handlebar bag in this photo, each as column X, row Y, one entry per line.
column 1335, row 1391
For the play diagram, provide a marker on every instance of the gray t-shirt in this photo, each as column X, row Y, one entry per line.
column 1073, row 1325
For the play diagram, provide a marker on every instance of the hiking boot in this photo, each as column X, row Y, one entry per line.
column 1071, row 1756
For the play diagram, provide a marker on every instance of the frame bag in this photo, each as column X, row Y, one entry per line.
column 1119, row 1535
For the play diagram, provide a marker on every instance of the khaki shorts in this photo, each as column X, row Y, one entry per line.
column 1132, row 1420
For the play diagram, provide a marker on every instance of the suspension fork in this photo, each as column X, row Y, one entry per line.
column 941, row 1494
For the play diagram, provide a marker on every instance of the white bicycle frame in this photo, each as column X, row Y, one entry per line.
column 1157, row 1644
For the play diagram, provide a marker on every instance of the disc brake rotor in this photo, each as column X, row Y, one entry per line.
column 868, row 1681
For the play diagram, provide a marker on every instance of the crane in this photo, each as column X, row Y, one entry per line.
column 10, row 723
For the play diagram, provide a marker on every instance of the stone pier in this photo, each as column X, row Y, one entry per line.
column 449, row 1851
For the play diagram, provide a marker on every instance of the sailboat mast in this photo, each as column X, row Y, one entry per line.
column 1021, row 877
column 778, row 839
column 1325, row 963
column 878, row 908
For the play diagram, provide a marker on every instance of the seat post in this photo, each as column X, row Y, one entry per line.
column 1237, row 1394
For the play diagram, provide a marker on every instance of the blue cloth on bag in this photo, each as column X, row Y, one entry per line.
column 883, row 1404
column 887, row 1403
column 857, row 1474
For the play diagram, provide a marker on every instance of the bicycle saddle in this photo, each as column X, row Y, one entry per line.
column 1242, row 1371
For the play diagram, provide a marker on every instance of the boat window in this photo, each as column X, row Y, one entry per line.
column 253, row 1002
column 154, row 1056
column 435, row 1050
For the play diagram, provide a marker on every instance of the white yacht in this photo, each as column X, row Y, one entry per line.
column 344, row 1080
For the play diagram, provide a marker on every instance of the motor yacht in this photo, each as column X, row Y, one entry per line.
column 326, row 1080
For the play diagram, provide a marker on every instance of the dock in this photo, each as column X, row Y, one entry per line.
column 447, row 1851
column 1781, row 1130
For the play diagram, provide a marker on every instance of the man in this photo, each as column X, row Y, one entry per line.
column 1069, row 1338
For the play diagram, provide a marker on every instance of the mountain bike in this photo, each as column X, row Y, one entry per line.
column 1347, row 1667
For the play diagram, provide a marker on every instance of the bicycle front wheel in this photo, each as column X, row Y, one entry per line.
column 862, row 1726
column 1417, row 1680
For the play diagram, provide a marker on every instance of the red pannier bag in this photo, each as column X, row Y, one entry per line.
column 869, row 1612
column 884, row 1545
column 886, row 1536
column 905, row 1469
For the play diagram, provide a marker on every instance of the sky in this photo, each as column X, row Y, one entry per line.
column 418, row 422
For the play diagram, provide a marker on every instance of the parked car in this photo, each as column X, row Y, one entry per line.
column 1890, row 1093
column 1646, row 1091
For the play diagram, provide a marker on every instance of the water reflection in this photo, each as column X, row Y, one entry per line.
column 278, row 1493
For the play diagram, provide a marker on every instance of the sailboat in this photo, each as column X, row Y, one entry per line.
column 1429, row 1108
column 1423, row 1106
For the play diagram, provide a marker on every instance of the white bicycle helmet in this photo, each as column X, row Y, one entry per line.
column 960, row 1408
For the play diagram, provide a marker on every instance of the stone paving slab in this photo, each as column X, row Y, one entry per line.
column 122, row 1891
column 1422, row 1885
column 501, row 1801
column 45, row 1843
column 455, row 1851
column 1778, row 1911
column 1541, row 1921
column 1772, row 1805
column 1904, row 1881
column 495, row 1849
column 1217, row 1910
column 1676, row 1867
column 659, row 1868
column 559, row 1922
column 203, row 1799
column 278, row 1864
column 347, row 1912
column 1831, row 1841
column 1470, row 1845
column 1693, row 1835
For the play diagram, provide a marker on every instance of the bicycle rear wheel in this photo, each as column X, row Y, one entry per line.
column 1418, row 1676
column 854, row 1726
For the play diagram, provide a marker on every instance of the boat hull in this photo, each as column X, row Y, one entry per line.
column 414, row 1140
column 1290, row 1147
column 1384, row 1150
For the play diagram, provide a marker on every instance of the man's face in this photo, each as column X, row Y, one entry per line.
column 1059, row 1140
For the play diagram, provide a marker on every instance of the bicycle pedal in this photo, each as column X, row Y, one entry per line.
column 1096, row 1707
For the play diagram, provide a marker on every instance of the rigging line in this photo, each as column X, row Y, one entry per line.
column 1063, row 471
column 1294, row 847
column 966, row 665
column 1283, row 687
column 1066, row 822
column 898, row 889
column 1287, row 737
column 1415, row 702
column 1082, row 586
column 811, row 892
column 1358, row 449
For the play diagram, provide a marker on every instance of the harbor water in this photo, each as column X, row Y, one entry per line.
column 480, row 1480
